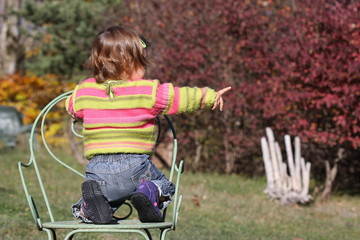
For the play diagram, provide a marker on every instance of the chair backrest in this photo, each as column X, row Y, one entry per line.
column 175, row 172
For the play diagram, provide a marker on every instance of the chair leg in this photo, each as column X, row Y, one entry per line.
column 163, row 233
column 70, row 235
column 148, row 233
column 51, row 233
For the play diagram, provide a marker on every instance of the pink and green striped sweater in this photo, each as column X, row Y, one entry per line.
column 119, row 116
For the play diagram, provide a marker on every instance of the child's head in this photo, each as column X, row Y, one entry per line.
column 117, row 53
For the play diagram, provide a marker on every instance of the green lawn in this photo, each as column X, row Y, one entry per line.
column 214, row 207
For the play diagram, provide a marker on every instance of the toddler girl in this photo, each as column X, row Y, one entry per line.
column 118, row 110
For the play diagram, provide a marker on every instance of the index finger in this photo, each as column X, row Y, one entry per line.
column 224, row 90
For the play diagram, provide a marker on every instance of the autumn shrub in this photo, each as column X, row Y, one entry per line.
column 308, row 80
column 293, row 67
column 29, row 94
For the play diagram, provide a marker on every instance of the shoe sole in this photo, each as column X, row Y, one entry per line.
column 145, row 209
column 98, row 207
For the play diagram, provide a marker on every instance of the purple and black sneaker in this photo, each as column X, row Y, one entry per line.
column 146, row 201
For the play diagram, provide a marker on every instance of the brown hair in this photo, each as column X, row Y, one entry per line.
column 116, row 53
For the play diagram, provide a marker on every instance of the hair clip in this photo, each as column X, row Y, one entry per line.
column 143, row 44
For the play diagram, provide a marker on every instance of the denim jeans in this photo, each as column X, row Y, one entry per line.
column 120, row 174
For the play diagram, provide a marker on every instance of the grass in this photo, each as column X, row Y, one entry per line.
column 214, row 207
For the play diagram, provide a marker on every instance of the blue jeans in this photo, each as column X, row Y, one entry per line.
column 120, row 174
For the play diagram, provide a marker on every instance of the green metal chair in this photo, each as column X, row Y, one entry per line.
column 76, row 226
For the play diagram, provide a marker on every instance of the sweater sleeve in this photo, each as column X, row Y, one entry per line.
column 70, row 105
column 174, row 100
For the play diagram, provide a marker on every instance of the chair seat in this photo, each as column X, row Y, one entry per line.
column 122, row 224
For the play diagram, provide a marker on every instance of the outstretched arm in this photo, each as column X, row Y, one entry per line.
column 173, row 100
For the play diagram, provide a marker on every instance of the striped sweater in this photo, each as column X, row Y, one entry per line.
column 119, row 116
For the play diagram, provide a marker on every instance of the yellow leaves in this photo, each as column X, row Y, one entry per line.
column 18, row 88
column 30, row 113
column 57, row 115
column 70, row 85
column 20, row 96
column 54, row 134
column 53, row 129
column 29, row 94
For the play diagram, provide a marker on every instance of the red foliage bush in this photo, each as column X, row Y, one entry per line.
column 309, row 78
column 295, row 69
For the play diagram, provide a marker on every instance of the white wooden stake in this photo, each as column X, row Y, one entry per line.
column 267, row 163
column 282, row 168
column 290, row 160
column 298, row 165
column 274, row 161
column 286, row 188
column 306, row 178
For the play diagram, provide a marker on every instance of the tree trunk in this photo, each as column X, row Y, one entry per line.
column 229, row 157
column 198, row 150
column 9, row 36
column 331, row 174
